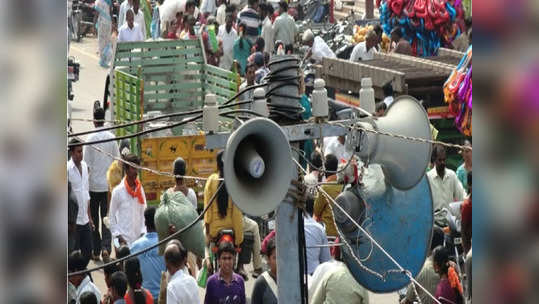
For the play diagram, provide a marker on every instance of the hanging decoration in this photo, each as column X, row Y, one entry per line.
column 458, row 93
column 426, row 24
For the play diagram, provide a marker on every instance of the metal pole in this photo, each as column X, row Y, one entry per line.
column 286, row 219
column 286, row 228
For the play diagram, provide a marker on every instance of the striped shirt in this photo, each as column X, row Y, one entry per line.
column 250, row 17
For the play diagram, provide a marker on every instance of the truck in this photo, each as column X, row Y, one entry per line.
column 162, row 77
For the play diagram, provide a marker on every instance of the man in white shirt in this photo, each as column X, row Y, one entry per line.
column 285, row 28
column 98, row 164
column 81, row 282
column 139, row 18
column 444, row 184
column 130, row 31
column 127, row 206
column 228, row 36
column 267, row 28
column 335, row 146
column 318, row 47
column 124, row 7
column 181, row 288
column 365, row 50
column 77, row 174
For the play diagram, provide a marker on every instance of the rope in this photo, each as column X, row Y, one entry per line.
column 401, row 269
column 410, row 138
column 138, row 167
column 168, row 238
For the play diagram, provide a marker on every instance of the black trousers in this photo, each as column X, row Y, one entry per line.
column 98, row 202
column 83, row 242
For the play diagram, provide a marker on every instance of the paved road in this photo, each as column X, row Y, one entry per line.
column 89, row 88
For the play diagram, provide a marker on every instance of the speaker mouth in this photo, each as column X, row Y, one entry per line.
column 258, row 166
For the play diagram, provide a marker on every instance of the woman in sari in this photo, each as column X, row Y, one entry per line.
column 104, row 31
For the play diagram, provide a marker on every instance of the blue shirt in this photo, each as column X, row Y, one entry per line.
column 315, row 235
column 151, row 263
column 462, row 175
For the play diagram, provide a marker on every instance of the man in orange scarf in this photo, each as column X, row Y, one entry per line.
column 127, row 205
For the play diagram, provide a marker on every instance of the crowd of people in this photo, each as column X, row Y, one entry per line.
column 109, row 217
column 108, row 211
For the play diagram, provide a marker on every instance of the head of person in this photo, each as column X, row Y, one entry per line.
column 381, row 108
column 88, row 297
column 259, row 47
column 130, row 18
column 118, row 285
column 371, row 39
column 211, row 20
column 241, row 29
column 131, row 172
column 75, row 150
column 136, row 6
column 388, row 89
column 226, row 255
column 179, row 168
column 440, row 260
column 342, row 139
column 266, row 10
column 439, row 156
column 396, row 34
column 229, row 20
column 175, row 256
column 253, row 4
column 278, row 43
column 179, row 18
column 222, row 195
column 437, row 238
column 308, row 38
column 271, row 254
column 149, row 218
column 134, row 279
column 466, row 153
column 316, row 161
column 309, row 206
column 331, row 164
column 76, row 262
column 283, row 7
column 258, row 59
column 99, row 116
column 190, row 7
column 108, row 271
column 123, row 251
column 250, row 73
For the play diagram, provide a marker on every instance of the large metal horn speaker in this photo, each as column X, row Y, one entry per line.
column 257, row 166
column 403, row 160
column 400, row 221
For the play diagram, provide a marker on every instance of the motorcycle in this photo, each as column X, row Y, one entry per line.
column 82, row 18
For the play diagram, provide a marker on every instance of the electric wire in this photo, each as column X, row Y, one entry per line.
column 183, row 122
column 136, row 122
column 168, row 238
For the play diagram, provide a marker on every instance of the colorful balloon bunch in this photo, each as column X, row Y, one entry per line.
column 426, row 24
column 458, row 93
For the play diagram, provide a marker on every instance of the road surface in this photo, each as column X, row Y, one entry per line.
column 90, row 87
